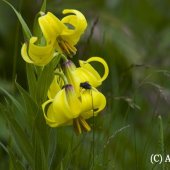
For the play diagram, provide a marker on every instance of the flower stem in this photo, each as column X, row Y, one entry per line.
column 62, row 76
column 63, row 57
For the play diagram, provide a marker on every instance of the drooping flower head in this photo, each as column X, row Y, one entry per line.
column 63, row 108
column 67, row 108
column 66, row 32
column 58, row 35
column 85, row 73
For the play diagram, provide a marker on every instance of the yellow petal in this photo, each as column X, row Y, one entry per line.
column 38, row 55
column 79, row 24
column 53, row 118
column 69, row 69
column 103, row 62
column 51, row 26
column 92, row 102
column 73, row 100
column 88, row 75
column 38, row 50
column 67, row 103
column 24, row 53
column 54, row 87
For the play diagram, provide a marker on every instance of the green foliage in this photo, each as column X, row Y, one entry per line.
column 25, row 28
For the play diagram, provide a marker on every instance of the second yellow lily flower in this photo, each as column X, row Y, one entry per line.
column 65, row 33
column 59, row 35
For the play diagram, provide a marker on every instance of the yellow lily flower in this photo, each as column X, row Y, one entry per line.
column 85, row 73
column 67, row 109
column 66, row 32
column 35, row 54
column 63, row 108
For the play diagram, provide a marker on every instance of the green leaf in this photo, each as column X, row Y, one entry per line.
column 42, row 129
column 37, row 31
column 20, row 137
column 14, row 101
column 25, row 28
column 45, row 80
column 36, row 28
column 40, row 160
column 52, row 146
column 31, row 78
column 31, row 106
column 43, row 7
column 15, row 163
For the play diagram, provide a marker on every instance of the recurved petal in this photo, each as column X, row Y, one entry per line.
column 92, row 102
column 51, row 26
column 84, row 65
column 78, row 24
column 88, row 75
column 38, row 55
column 24, row 53
column 38, row 50
column 54, row 118
column 103, row 62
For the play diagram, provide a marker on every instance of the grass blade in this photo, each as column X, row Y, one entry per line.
column 32, row 84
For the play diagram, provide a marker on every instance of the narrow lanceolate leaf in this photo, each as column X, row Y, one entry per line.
column 43, row 130
column 45, row 80
column 52, row 146
column 30, row 105
column 25, row 28
column 31, row 77
column 15, row 163
column 21, row 139
column 43, row 7
column 14, row 101
column 40, row 160
column 36, row 28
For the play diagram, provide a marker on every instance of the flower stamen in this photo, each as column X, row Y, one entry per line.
column 84, row 124
column 81, row 124
column 76, row 125
column 66, row 47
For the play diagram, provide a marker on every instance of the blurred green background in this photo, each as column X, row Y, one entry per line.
column 133, row 36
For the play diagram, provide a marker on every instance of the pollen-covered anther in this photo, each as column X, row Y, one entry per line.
column 81, row 124
column 67, row 48
column 84, row 124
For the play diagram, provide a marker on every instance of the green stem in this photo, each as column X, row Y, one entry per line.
column 62, row 76
column 63, row 57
